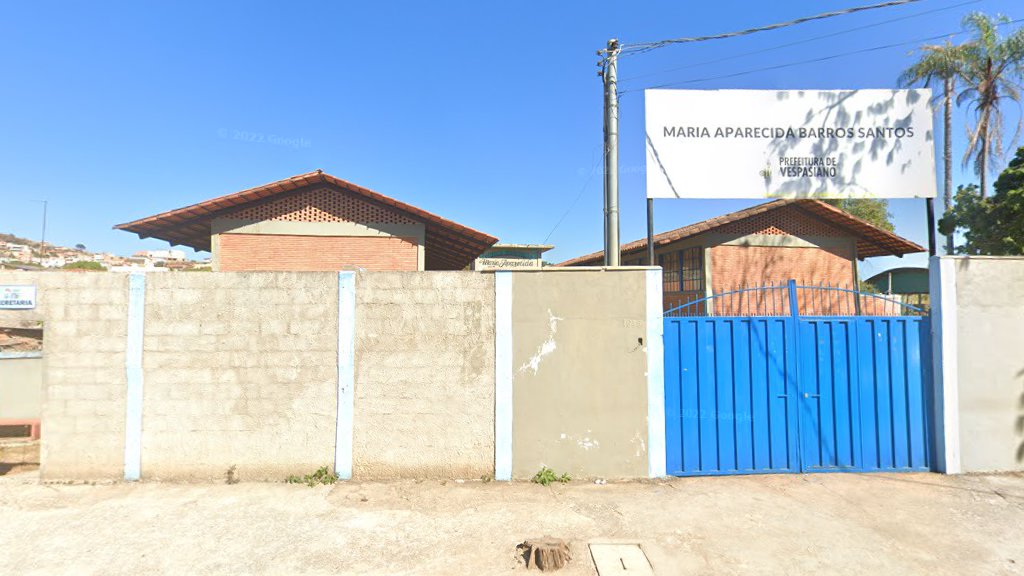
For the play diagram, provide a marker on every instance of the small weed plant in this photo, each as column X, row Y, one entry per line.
column 546, row 476
column 231, row 476
column 323, row 475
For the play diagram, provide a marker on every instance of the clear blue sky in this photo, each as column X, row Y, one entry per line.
column 488, row 114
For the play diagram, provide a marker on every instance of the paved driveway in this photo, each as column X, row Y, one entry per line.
column 814, row 524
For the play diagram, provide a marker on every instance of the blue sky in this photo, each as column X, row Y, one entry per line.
column 485, row 113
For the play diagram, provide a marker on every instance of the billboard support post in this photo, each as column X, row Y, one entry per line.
column 611, row 154
column 930, row 209
column 650, row 231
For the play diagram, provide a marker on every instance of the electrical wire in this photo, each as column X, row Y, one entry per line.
column 590, row 177
column 630, row 49
column 798, row 42
column 810, row 61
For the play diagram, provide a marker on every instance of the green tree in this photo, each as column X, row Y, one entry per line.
column 84, row 266
column 991, row 68
column 940, row 63
column 991, row 225
column 874, row 211
column 80, row 247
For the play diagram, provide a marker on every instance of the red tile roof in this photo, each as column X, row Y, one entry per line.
column 449, row 246
column 871, row 240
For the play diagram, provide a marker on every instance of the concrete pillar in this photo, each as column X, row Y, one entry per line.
column 946, row 414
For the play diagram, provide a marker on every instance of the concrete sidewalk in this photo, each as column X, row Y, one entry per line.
column 813, row 524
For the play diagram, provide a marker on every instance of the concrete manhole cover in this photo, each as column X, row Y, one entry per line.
column 620, row 559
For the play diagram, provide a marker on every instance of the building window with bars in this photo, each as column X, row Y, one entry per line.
column 684, row 271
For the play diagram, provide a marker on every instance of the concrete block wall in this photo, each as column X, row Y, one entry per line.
column 84, row 319
column 424, row 357
column 242, row 369
column 247, row 369
column 239, row 369
column 978, row 354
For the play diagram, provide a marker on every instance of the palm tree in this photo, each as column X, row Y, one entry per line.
column 940, row 62
column 992, row 66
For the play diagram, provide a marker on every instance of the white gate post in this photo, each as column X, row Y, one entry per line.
column 346, row 374
column 133, row 375
column 503, row 375
column 655, row 375
column 946, row 409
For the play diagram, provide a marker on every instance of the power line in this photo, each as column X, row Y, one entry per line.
column 629, row 49
column 798, row 42
column 811, row 61
column 590, row 177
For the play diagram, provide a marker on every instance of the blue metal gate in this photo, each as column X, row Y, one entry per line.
column 763, row 380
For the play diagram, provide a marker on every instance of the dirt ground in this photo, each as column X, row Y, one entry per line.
column 813, row 524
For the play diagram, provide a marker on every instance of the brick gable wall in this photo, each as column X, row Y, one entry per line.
column 743, row 266
column 253, row 252
column 735, row 266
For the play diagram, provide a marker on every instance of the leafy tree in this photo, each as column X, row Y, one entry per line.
column 993, row 225
column 991, row 68
column 874, row 211
column 84, row 266
column 80, row 247
column 940, row 63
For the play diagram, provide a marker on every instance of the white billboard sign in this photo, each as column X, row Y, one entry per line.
column 789, row 144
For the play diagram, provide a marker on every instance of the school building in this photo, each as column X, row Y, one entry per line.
column 315, row 222
column 809, row 241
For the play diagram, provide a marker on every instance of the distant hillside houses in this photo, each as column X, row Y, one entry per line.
column 161, row 255
column 11, row 251
column 25, row 254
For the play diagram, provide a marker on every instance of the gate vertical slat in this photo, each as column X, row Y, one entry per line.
column 706, row 396
column 898, row 382
column 810, row 433
column 674, row 353
column 689, row 404
column 843, row 398
column 826, row 395
column 846, row 404
column 883, row 393
column 852, row 353
column 834, row 405
column 866, row 361
column 927, row 391
column 742, row 398
column 689, row 396
column 785, row 449
column 760, row 394
column 915, row 396
column 725, row 381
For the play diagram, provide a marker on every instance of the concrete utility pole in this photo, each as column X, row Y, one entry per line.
column 611, row 154
column 42, row 240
